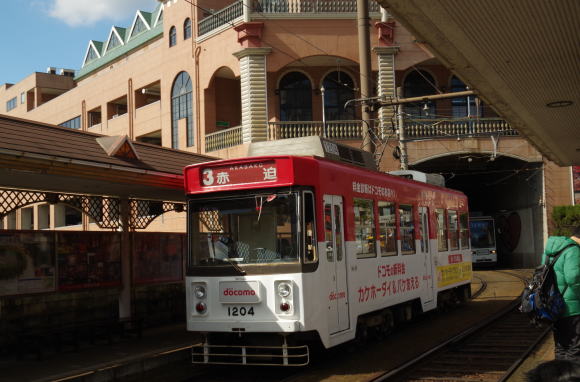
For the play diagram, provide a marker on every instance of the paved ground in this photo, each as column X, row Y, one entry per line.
column 152, row 350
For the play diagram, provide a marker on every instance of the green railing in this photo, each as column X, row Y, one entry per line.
column 223, row 139
column 419, row 128
column 330, row 129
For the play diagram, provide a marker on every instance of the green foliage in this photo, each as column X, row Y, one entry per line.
column 566, row 218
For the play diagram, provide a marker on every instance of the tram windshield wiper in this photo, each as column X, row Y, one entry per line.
column 235, row 265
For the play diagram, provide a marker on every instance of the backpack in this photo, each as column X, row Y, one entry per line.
column 541, row 299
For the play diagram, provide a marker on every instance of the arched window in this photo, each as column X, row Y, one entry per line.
column 419, row 83
column 295, row 97
column 187, row 28
column 181, row 108
column 172, row 37
column 338, row 88
column 460, row 107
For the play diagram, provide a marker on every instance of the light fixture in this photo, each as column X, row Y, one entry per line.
column 563, row 103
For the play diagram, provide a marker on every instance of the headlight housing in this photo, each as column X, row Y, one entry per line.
column 284, row 289
column 199, row 291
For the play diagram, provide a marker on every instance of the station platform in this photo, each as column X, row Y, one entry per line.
column 128, row 357
column 159, row 350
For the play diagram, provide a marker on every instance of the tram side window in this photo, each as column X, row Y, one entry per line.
column 328, row 232
column 388, row 229
column 453, row 229
column 310, row 255
column 463, row 230
column 364, row 228
column 441, row 230
column 407, row 226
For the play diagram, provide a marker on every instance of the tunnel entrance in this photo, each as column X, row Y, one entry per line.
column 508, row 189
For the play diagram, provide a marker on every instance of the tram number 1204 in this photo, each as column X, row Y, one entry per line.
column 240, row 311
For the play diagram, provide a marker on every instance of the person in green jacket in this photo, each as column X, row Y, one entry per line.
column 567, row 270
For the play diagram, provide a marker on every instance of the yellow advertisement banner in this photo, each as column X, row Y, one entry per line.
column 454, row 273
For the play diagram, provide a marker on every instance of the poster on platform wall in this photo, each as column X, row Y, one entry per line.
column 158, row 257
column 88, row 259
column 27, row 262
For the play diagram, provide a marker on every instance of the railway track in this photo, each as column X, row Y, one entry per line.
column 490, row 351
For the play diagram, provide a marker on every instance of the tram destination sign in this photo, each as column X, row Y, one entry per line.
column 252, row 172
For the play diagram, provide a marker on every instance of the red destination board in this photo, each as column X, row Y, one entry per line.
column 239, row 173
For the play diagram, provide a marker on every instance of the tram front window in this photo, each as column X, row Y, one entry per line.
column 257, row 229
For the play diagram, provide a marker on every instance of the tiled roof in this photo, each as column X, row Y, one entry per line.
column 28, row 137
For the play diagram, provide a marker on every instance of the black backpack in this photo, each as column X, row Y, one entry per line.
column 542, row 299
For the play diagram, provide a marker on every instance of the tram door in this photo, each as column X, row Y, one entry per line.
column 338, row 317
column 426, row 250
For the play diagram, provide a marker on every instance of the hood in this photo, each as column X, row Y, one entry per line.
column 556, row 243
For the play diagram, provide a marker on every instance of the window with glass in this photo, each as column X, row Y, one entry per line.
column 463, row 106
column 338, row 88
column 181, row 108
column 453, row 229
column 329, row 245
column 11, row 104
column 187, row 29
column 338, row 232
column 364, row 228
column 172, row 36
column 407, row 227
column 464, row 230
column 295, row 97
column 419, row 83
column 255, row 229
column 113, row 42
column 441, row 230
column 387, row 229
column 138, row 27
column 74, row 123
column 310, row 254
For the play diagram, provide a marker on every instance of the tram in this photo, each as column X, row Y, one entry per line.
column 286, row 251
column 482, row 237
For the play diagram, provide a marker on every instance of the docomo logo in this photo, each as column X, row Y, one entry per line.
column 238, row 292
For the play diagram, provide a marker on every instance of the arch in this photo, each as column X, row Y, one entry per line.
column 465, row 152
column 187, row 29
column 172, row 36
column 295, row 91
column 418, row 83
column 181, row 108
column 223, row 101
column 338, row 88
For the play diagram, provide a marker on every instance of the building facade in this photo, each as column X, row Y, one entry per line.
column 211, row 77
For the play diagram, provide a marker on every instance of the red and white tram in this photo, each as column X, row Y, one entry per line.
column 285, row 249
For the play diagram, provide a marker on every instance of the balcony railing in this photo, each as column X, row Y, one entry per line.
column 334, row 129
column 223, row 139
column 311, row 6
column 441, row 128
column 221, row 17
column 290, row 7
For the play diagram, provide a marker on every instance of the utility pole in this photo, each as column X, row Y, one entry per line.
column 400, row 120
column 364, row 52
column 401, row 127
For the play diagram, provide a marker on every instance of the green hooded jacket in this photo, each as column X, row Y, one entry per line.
column 567, row 270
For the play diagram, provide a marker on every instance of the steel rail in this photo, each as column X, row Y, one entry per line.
column 465, row 334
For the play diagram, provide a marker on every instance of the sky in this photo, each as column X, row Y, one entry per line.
column 36, row 34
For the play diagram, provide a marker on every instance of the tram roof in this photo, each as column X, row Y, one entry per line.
column 38, row 156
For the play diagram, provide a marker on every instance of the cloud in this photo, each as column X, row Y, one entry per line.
column 88, row 12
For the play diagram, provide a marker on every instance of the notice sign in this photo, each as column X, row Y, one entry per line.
column 239, row 173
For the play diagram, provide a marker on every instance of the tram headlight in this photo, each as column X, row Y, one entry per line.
column 199, row 291
column 284, row 289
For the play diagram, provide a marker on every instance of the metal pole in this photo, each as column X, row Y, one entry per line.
column 400, row 101
column 364, row 52
column 323, row 113
column 402, row 137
